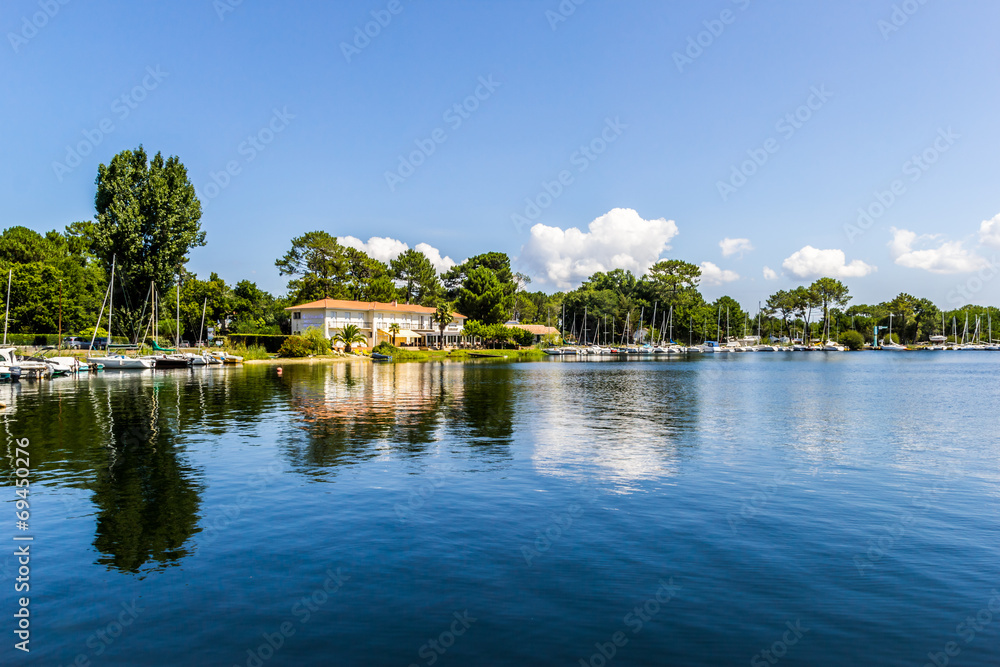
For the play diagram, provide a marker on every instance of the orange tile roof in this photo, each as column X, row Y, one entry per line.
column 537, row 329
column 368, row 305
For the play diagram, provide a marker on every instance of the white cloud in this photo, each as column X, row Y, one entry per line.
column 989, row 232
column 382, row 248
column 770, row 274
column 810, row 262
column 441, row 264
column 619, row 239
column 713, row 275
column 945, row 257
column 386, row 249
column 732, row 246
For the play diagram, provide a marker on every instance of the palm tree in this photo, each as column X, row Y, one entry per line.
column 442, row 317
column 394, row 329
column 349, row 335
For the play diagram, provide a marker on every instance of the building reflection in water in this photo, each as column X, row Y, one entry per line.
column 355, row 412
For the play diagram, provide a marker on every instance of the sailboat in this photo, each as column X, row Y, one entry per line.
column 887, row 343
column 114, row 361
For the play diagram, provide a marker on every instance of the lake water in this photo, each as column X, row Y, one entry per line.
column 827, row 509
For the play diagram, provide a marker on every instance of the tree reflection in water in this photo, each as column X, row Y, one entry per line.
column 147, row 501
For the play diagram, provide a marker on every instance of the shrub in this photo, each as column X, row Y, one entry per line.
column 320, row 343
column 271, row 343
column 523, row 336
column 296, row 346
column 249, row 352
column 853, row 340
column 385, row 347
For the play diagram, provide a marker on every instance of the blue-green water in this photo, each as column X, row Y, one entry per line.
column 829, row 509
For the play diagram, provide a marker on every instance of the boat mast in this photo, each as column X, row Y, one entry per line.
column 10, row 274
column 652, row 322
column 177, row 329
column 585, row 325
column 111, row 300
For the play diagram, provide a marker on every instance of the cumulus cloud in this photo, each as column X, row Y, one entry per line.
column 732, row 246
column 989, row 232
column 382, row 248
column 810, row 262
column 619, row 239
column 936, row 255
column 713, row 275
column 441, row 264
column 386, row 249
column 770, row 274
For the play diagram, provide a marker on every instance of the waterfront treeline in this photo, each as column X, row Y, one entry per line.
column 148, row 220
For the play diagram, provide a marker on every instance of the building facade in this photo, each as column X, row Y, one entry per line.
column 374, row 319
column 539, row 331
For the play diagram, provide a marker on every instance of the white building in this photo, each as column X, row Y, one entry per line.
column 416, row 326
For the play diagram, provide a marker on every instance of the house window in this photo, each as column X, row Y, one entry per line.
column 297, row 315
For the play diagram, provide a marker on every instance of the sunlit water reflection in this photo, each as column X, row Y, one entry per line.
column 853, row 494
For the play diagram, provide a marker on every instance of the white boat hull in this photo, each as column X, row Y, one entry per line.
column 124, row 363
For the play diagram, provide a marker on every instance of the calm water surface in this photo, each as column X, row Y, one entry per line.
column 828, row 509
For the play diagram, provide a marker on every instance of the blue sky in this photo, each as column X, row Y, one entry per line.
column 330, row 122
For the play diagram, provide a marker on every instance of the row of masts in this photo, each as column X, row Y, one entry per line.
column 667, row 326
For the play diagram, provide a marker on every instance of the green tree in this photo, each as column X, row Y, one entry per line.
column 804, row 300
column 415, row 271
column 672, row 278
column 394, row 329
column 318, row 266
column 830, row 291
column 443, row 316
column 148, row 220
column 212, row 295
column 349, row 335
column 40, row 267
column 482, row 297
column 457, row 278
column 781, row 302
